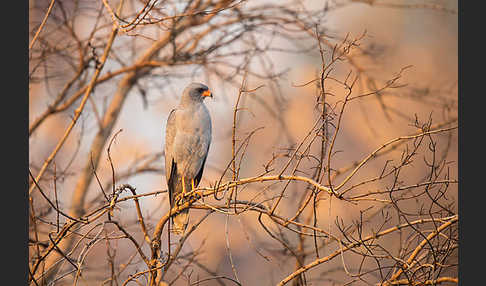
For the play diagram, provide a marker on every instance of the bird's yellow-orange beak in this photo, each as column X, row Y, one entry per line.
column 207, row 93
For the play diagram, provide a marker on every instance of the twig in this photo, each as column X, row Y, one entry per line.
column 49, row 201
column 80, row 108
column 42, row 24
column 447, row 222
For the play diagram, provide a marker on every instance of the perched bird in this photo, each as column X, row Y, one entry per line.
column 187, row 140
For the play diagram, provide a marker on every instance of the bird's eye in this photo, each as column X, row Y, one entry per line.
column 200, row 90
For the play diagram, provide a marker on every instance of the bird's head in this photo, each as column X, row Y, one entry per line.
column 196, row 92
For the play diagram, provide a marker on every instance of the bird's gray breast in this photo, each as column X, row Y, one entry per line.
column 192, row 139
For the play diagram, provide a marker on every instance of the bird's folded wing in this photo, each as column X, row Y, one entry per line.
column 170, row 133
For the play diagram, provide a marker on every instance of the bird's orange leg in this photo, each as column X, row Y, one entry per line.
column 197, row 193
column 180, row 196
column 183, row 187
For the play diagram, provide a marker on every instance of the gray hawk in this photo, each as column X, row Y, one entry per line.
column 187, row 140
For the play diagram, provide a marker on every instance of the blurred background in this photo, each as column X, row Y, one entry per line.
column 273, row 46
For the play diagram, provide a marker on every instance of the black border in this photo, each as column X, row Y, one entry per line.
column 15, row 118
column 471, row 141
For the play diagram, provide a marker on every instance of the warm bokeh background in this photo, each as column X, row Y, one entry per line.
column 423, row 38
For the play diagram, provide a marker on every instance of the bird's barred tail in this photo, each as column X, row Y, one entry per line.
column 179, row 222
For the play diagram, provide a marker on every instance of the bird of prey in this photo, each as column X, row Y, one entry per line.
column 187, row 140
